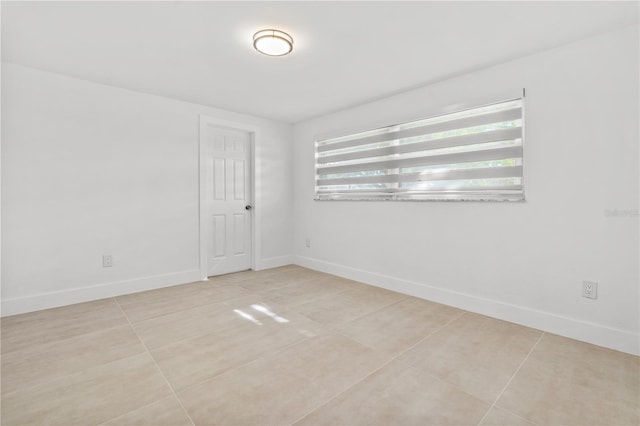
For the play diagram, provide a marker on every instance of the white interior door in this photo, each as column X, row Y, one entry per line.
column 227, row 199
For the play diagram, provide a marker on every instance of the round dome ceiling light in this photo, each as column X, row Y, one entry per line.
column 273, row 42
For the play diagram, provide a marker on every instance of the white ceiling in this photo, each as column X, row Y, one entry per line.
column 345, row 53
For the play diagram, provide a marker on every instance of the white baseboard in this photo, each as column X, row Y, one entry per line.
column 41, row 301
column 620, row 340
column 20, row 305
column 274, row 262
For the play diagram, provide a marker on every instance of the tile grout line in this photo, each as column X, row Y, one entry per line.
column 379, row 368
column 128, row 412
column 336, row 330
column 154, row 362
column 410, row 347
column 296, row 307
column 260, row 357
column 511, row 379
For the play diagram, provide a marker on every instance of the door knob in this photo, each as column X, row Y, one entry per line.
column 248, row 207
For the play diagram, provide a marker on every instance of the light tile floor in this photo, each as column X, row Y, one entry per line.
column 294, row 346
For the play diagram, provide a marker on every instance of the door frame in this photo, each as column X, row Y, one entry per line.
column 204, row 185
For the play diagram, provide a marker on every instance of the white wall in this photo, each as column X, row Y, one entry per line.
column 524, row 262
column 89, row 169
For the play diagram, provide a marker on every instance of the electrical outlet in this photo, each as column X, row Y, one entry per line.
column 307, row 242
column 590, row 289
column 107, row 261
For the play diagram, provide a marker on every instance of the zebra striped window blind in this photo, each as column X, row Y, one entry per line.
column 475, row 154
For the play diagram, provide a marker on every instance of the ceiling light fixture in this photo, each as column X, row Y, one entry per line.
column 273, row 42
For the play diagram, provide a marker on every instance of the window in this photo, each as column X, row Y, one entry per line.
column 475, row 154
